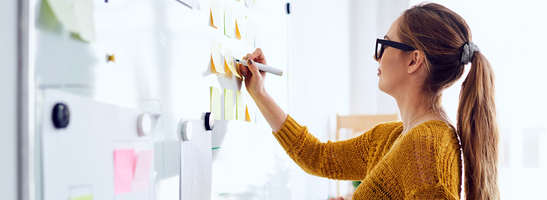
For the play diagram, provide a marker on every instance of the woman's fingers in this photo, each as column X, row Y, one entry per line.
column 258, row 56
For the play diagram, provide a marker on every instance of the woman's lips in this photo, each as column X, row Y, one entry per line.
column 379, row 72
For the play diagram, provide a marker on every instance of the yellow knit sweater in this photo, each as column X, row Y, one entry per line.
column 424, row 163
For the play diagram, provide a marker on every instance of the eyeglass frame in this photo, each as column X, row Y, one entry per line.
column 389, row 43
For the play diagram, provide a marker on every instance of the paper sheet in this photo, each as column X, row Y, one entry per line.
column 141, row 179
column 250, row 31
column 216, row 59
column 196, row 166
column 216, row 14
column 230, row 62
column 240, row 105
column 88, row 197
column 215, row 102
column 229, row 21
column 124, row 160
column 240, row 26
column 228, row 104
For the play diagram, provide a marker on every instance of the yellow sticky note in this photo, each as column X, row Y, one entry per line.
column 88, row 197
column 215, row 102
column 247, row 116
column 228, row 104
column 240, row 26
column 250, row 31
column 240, row 105
column 216, row 14
column 230, row 62
column 216, row 62
column 75, row 16
column 229, row 21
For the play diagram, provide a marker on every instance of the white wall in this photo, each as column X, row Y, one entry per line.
column 331, row 70
column 8, row 105
column 319, row 76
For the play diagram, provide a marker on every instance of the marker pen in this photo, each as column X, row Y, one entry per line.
column 262, row 67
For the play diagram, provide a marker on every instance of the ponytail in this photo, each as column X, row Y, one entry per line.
column 477, row 127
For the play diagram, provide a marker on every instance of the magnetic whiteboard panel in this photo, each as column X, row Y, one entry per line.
column 163, row 65
column 81, row 155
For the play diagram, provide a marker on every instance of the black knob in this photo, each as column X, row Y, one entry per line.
column 60, row 115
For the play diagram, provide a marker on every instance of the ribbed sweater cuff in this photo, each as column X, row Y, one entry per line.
column 288, row 133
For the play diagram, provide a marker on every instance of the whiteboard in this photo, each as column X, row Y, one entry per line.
column 163, row 65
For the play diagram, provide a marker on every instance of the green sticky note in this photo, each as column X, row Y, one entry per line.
column 215, row 102
column 229, row 22
column 228, row 104
column 88, row 197
column 240, row 105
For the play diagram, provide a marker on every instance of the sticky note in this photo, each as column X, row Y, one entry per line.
column 143, row 165
column 250, row 31
column 124, row 160
column 62, row 9
column 88, row 197
column 230, row 62
column 141, row 179
column 240, row 26
column 229, row 21
column 228, row 104
column 216, row 59
column 83, row 11
column 215, row 102
column 247, row 116
column 216, row 14
column 240, row 105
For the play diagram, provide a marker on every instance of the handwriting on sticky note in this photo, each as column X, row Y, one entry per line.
column 216, row 62
column 215, row 102
column 228, row 104
column 124, row 160
column 230, row 62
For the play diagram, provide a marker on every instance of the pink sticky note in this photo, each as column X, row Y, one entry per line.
column 124, row 160
column 141, row 180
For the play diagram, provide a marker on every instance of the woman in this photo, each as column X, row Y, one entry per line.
column 424, row 52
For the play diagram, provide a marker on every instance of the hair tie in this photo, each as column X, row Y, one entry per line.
column 468, row 50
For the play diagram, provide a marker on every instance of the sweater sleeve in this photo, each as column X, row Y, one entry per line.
column 343, row 160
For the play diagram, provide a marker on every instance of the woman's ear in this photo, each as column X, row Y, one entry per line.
column 416, row 60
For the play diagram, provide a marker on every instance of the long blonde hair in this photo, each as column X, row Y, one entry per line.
column 440, row 34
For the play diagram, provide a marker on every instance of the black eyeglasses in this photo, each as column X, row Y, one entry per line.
column 381, row 43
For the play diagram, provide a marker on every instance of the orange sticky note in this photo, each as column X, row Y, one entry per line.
column 216, row 14
column 216, row 62
column 247, row 116
column 240, row 26
column 230, row 62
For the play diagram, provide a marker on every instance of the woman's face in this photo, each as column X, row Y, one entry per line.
column 393, row 69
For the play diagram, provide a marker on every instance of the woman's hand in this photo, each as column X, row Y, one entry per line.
column 254, row 78
column 336, row 198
